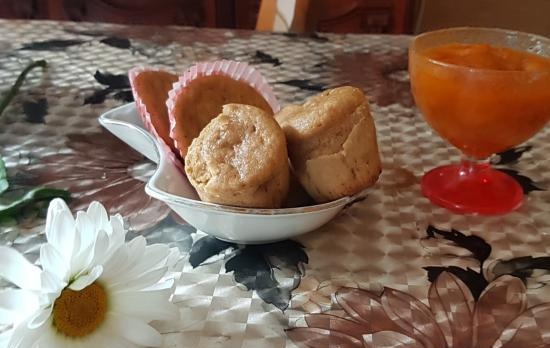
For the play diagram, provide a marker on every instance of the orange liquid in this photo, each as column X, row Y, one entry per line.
column 483, row 99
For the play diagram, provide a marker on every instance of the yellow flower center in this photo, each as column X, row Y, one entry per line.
column 79, row 313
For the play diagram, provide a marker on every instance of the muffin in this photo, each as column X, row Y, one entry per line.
column 240, row 159
column 150, row 88
column 202, row 91
column 332, row 143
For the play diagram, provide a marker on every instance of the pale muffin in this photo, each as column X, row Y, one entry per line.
column 202, row 100
column 240, row 159
column 332, row 143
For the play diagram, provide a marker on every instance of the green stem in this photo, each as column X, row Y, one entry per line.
column 34, row 195
column 15, row 88
column 3, row 177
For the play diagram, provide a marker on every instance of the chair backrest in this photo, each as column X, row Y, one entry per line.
column 152, row 12
column 525, row 15
column 352, row 16
column 287, row 15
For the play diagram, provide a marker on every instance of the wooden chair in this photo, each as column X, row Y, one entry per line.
column 526, row 15
column 344, row 16
column 286, row 15
column 153, row 12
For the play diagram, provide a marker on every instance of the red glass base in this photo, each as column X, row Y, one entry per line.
column 472, row 188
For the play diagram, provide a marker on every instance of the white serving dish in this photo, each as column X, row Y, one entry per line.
column 235, row 224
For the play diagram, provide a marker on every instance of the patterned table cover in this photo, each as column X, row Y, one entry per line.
column 390, row 271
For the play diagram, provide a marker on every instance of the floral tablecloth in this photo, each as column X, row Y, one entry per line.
column 390, row 271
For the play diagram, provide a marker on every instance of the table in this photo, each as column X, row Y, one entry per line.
column 230, row 295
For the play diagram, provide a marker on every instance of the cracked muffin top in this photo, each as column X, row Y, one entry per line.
column 239, row 158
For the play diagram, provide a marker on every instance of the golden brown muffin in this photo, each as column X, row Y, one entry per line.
column 152, row 87
column 203, row 99
column 240, row 159
column 332, row 143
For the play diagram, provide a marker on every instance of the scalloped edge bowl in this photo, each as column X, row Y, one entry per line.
column 234, row 224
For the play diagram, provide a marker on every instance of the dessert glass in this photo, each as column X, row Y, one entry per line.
column 480, row 111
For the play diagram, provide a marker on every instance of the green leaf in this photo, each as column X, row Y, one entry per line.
column 15, row 88
column 34, row 195
column 8, row 221
column 3, row 177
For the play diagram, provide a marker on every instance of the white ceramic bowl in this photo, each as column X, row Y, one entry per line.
column 235, row 224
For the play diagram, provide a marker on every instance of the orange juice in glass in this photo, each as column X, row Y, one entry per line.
column 484, row 91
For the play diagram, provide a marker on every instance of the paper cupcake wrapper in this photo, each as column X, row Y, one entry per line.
column 146, row 116
column 237, row 70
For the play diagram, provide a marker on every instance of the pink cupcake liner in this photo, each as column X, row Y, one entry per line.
column 237, row 70
column 146, row 116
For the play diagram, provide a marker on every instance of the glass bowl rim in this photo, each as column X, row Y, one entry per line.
column 541, row 38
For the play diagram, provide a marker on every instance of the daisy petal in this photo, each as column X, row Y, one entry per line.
column 101, row 248
column 50, row 283
column 118, row 233
column 40, row 318
column 164, row 285
column 7, row 317
column 501, row 302
column 5, row 338
column 53, row 262
column 147, row 305
column 16, row 304
column 50, row 339
column 87, row 279
column 107, row 337
column 22, row 337
column 82, row 260
column 136, row 331
column 140, row 281
column 112, row 267
column 85, row 228
column 135, row 250
column 390, row 339
column 93, row 254
column 60, row 227
column 97, row 213
column 137, row 246
column 153, row 258
column 15, row 268
column 113, row 342
column 76, row 248
column 19, row 301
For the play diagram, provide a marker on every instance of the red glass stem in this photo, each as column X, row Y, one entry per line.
column 470, row 167
column 472, row 186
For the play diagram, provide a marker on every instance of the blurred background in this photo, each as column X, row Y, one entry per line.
column 343, row 16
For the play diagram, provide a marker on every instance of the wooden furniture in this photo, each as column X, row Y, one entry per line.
column 149, row 12
column 526, row 15
column 352, row 16
column 366, row 16
column 356, row 16
column 290, row 15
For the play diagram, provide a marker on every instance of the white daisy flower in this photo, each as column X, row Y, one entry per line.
column 94, row 290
